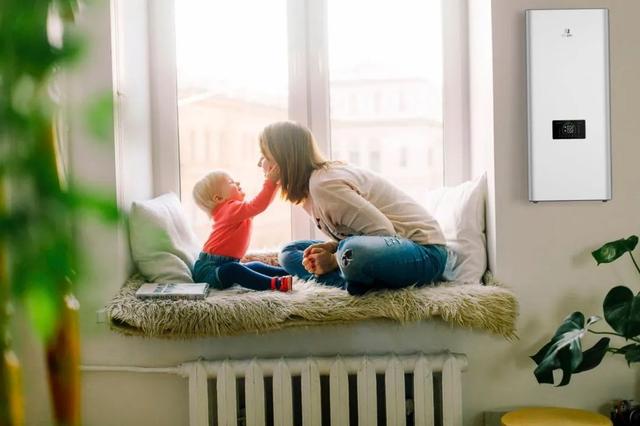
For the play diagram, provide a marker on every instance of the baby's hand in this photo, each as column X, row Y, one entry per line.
column 273, row 174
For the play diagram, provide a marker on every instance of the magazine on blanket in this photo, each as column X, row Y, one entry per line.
column 173, row 291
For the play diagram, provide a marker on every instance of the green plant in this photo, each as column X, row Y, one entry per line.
column 39, row 258
column 621, row 311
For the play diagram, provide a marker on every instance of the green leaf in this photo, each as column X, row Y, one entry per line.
column 632, row 354
column 614, row 249
column 622, row 311
column 569, row 359
column 592, row 357
column 43, row 308
column 564, row 350
column 68, row 9
column 544, row 375
column 95, row 201
column 73, row 48
column 99, row 116
column 624, row 349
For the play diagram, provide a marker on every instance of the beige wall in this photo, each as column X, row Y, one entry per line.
column 541, row 251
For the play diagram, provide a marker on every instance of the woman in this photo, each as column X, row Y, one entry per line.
column 382, row 238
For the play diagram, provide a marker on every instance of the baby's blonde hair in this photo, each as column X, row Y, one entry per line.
column 206, row 189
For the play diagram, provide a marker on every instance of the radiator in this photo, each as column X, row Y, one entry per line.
column 403, row 390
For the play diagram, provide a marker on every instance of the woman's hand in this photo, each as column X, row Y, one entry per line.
column 319, row 258
column 330, row 246
column 320, row 262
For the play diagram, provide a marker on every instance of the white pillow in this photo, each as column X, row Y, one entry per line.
column 163, row 244
column 460, row 212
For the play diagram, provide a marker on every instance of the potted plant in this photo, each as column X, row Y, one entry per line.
column 621, row 310
column 39, row 257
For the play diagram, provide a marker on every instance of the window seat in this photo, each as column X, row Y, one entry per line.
column 164, row 249
column 490, row 307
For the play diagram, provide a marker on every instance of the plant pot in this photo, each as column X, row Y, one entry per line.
column 63, row 364
column 11, row 401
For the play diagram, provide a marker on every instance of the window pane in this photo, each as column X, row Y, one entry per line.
column 232, row 81
column 386, row 89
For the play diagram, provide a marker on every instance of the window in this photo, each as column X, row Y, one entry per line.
column 354, row 158
column 403, row 157
column 232, row 74
column 351, row 70
column 402, row 103
column 380, row 61
column 375, row 163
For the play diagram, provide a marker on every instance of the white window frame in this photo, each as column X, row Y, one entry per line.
column 308, row 91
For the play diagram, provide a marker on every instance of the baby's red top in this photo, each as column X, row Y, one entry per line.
column 232, row 223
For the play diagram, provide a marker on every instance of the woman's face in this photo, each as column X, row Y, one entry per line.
column 266, row 160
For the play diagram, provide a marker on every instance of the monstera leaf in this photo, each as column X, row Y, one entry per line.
column 622, row 311
column 631, row 352
column 614, row 249
column 564, row 351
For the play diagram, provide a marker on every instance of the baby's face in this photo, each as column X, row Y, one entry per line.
column 231, row 187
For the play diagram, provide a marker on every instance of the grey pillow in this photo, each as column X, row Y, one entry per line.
column 163, row 245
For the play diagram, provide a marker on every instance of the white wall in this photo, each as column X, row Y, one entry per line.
column 541, row 251
column 481, row 109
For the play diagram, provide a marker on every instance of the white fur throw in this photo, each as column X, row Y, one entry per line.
column 489, row 307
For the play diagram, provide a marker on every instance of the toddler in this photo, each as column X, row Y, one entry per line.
column 222, row 199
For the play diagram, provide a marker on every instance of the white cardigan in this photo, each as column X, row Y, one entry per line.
column 345, row 200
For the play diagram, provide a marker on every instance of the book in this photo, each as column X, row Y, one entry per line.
column 173, row 291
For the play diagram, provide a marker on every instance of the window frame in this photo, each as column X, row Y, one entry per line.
column 308, row 91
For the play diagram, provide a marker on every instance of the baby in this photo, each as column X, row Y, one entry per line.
column 219, row 262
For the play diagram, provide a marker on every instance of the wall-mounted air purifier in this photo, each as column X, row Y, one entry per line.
column 568, row 104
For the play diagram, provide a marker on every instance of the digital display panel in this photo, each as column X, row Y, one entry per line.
column 569, row 129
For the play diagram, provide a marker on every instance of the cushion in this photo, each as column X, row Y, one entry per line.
column 460, row 212
column 163, row 245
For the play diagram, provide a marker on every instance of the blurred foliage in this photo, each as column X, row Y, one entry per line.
column 99, row 116
column 621, row 311
column 37, row 42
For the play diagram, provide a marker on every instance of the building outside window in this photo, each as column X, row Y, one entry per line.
column 235, row 75
column 232, row 81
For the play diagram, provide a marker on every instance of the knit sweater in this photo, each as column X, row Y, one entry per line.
column 232, row 223
column 345, row 200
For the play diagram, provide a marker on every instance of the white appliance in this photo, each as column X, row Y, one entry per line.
column 568, row 104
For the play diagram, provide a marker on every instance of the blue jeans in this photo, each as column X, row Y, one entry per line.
column 222, row 272
column 372, row 263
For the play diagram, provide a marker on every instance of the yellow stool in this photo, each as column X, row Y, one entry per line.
column 552, row 416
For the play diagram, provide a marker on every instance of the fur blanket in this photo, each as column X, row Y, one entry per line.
column 489, row 307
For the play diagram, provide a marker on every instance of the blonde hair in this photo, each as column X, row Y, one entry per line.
column 296, row 153
column 207, row 188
